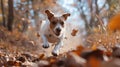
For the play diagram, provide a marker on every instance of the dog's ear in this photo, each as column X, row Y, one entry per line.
column 49, row 14
column 65, row 16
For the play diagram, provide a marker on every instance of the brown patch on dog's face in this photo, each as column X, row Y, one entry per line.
column 56, row 23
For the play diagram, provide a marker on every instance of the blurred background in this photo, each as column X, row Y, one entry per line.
column 86, row 17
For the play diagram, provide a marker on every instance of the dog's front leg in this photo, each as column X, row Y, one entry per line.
column 57, row 47
column 45, row 42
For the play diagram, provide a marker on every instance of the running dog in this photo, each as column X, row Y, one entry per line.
column 53, row 31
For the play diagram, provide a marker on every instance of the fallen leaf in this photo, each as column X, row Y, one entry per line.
column 74, row 32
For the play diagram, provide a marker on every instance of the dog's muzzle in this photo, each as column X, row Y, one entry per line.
column 58, row 30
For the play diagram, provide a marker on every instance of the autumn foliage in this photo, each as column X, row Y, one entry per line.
column 114, row 23
column 87, row 43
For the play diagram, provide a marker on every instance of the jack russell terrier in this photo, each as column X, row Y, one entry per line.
column 53, row 31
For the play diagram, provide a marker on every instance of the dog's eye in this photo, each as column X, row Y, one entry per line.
column 54, row 23
column 62, row 23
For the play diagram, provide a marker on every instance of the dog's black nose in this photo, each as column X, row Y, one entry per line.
column 58, row 29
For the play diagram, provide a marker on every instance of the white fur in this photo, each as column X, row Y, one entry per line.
column 47, row 36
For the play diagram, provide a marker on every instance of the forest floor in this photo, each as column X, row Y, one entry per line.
column 16, row 49
column 16, row 46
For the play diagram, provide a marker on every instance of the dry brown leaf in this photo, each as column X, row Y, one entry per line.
column 114, row 24
column 108, row 53
column 16, row 63
column 79, row 50
column 41, row 56
column 74, row 32
column 94, row 47
column 94, row 62
column 37, row 34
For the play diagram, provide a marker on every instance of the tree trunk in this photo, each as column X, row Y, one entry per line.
column 25, row 22
column 36, row 16
column 10, row 15
column 3, row 14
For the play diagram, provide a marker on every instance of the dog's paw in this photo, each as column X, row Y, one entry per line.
column 45, row 45
column 55, row 53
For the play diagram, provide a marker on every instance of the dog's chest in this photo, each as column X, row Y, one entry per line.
column 51, row 38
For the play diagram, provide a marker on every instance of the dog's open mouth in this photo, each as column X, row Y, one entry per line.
column 57, row 33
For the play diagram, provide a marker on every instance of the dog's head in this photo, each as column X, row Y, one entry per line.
column 56, row 23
